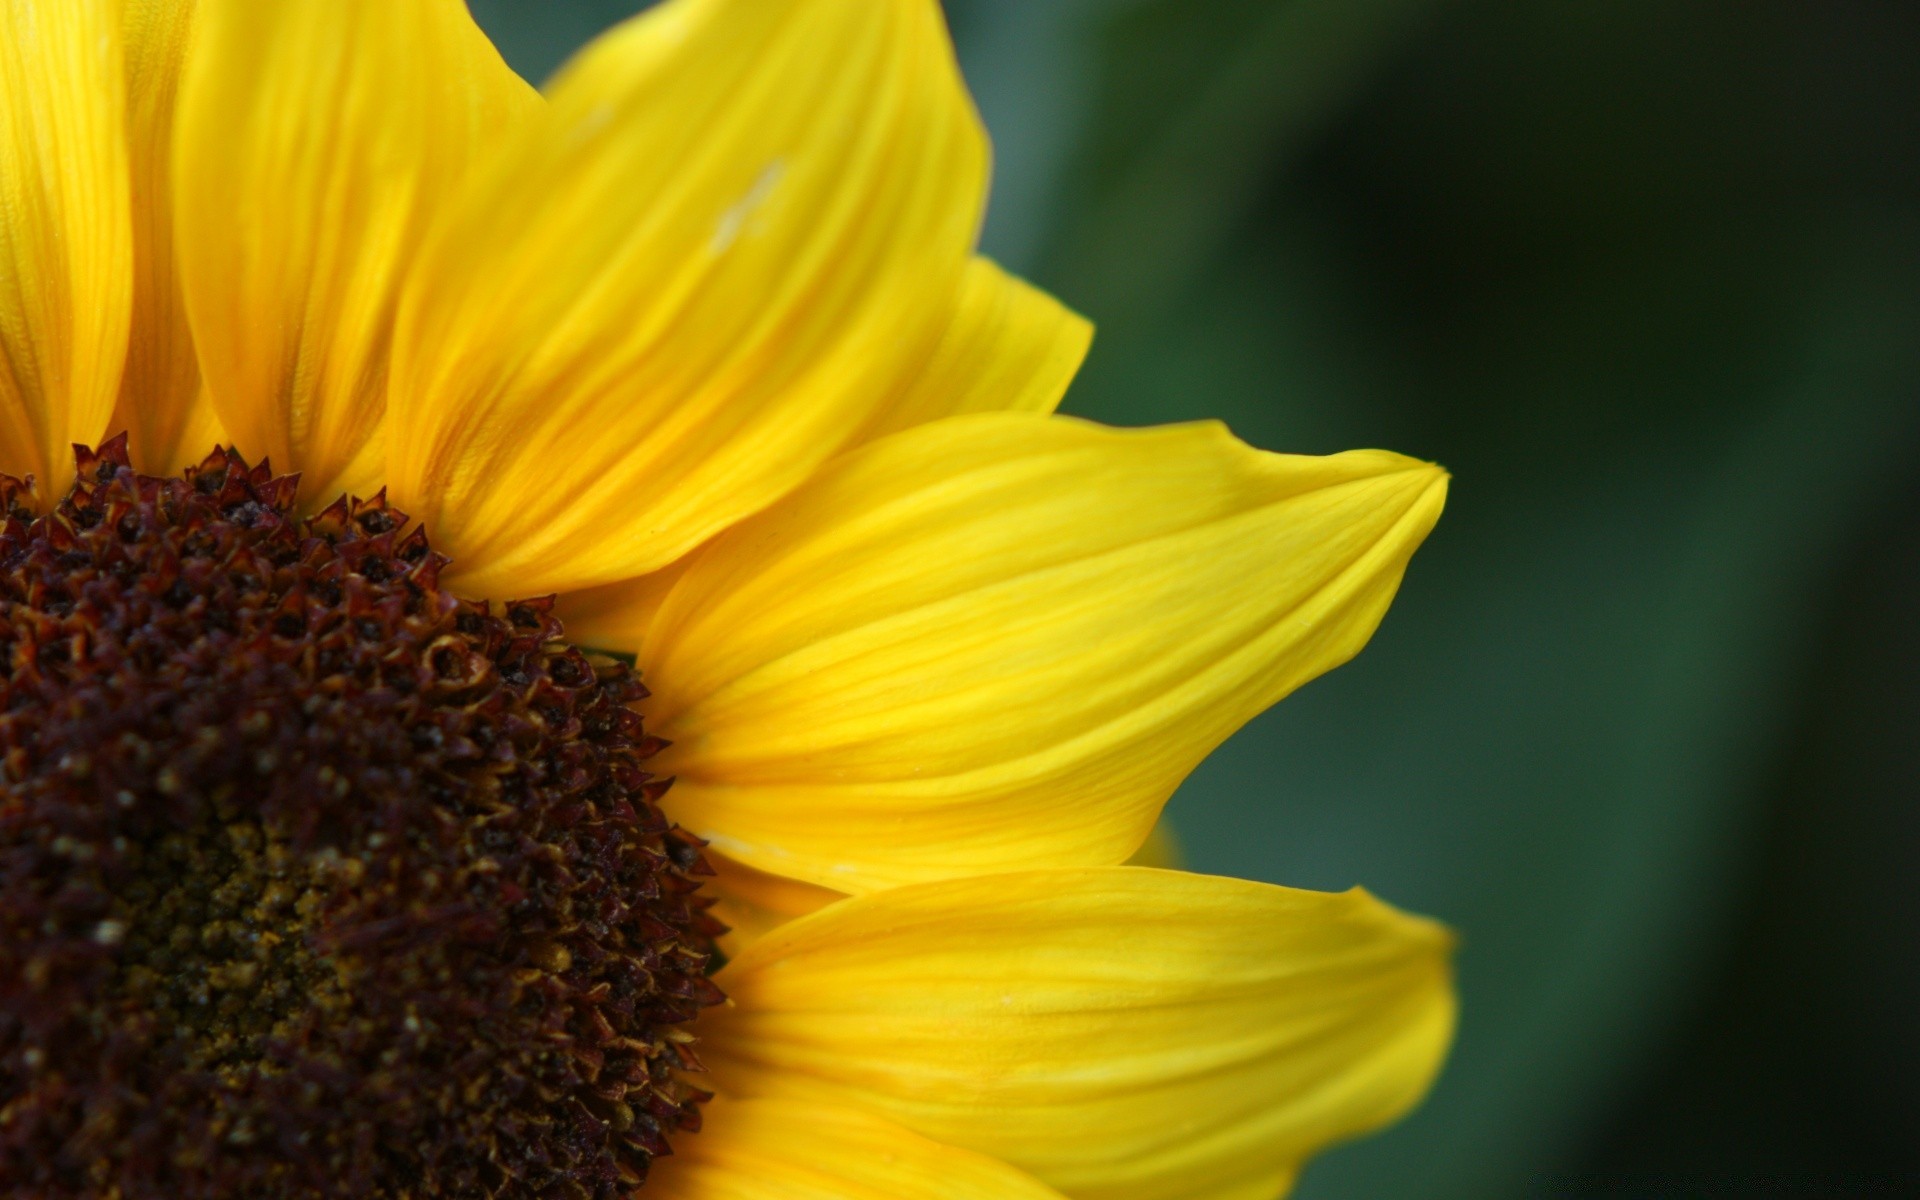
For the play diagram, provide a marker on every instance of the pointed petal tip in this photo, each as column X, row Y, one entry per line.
column 1434, row 483
column 1418, row 471
column 1157, row 587
column 1416, row 488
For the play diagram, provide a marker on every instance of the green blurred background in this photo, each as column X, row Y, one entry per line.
column 1645, row 722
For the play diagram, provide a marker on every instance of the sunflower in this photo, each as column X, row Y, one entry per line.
column 786, row 828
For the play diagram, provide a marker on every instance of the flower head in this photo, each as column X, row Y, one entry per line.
column 420, row 418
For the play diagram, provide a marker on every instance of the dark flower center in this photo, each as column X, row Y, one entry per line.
column 315, row 880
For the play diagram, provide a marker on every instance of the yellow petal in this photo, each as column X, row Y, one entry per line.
column 615, row 616
column 194, row 433
column 754, row 903
column 1000, row 641
column 1161, row 849
column 65, row 233
column 1120, row 1032
column 1009, row 348
column 709, row 267
column 779, row 1150
column 166, row 414
column 315, row 139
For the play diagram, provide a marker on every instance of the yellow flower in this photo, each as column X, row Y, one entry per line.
column 698, row 343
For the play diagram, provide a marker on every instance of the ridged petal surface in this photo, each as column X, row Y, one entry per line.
column 786, row 1150
column 167, row 415
column 66, row 242
column 1009, row 347
column 738, row 229
column 1122, row 1033
column 1001, row 641
column 315, row 141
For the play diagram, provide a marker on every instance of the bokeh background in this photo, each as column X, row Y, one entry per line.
column 1645, row 722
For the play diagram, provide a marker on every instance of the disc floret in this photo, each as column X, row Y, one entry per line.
column 315, row 879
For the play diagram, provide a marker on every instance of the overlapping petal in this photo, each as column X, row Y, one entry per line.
column 615, row 617
column 1001, row 641
column 1122, row 1033
column 1161, row 849
column 750, row 221
column 1009, row 347
column 315, row 140
column 754, row 903
column 736, row 245
column 66, row 246
column 781, row 1150
column 166, row 414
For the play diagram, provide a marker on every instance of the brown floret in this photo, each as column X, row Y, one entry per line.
column 316, row 880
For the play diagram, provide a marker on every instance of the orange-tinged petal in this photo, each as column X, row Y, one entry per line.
column 1000, row 641
column 314, row 142
column 738, row 228
column 65, row 234
column 781, row 1150
column 1122, row 1033
column 167, row 416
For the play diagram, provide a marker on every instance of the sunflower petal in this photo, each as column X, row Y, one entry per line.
column 779, row 1150
column 1161, row 849
column 1000, row 641
column 66, row 243
column 314, row 141
column 1010, row 347
column 615, row 616
column 1122, row 1033
column 747, row 224
column 166, row 414
column 753, row 903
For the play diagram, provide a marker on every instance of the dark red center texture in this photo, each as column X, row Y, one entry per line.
column 315, row 880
